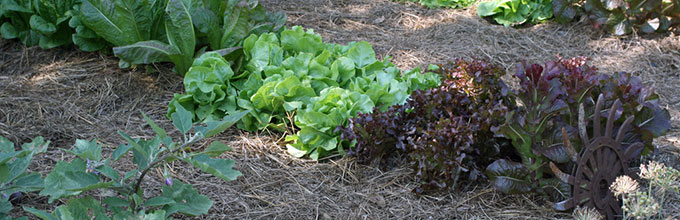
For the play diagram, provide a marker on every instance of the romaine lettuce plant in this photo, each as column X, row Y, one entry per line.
column 293, row 80
column 188, row 24
column 90, row 170
column 445, row 131
column 550, row 97
column 16, row 22
column 181, row 40
column 85, row 38
column 43, row 23
column 516, row 12
column 14, row 180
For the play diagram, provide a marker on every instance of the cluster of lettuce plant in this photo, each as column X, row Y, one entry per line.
column 14, row 178
column 44, row 23
column 550, row 97
column 182, row 28
column 516, row 12
column 616, row 16
column 640, row 204
column 445, row 131
column 622, row 17
column 125, row 197
column 295, row 82
column 442, row 3
column 140, row 31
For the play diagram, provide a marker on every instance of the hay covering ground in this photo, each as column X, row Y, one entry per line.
column 65, row 94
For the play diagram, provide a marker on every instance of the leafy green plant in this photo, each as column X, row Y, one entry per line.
column 38, row 22
column 187, row 24
column 550, row 99
column 225, row 24
column 181, row 40
column 124, row 22
column 85, row 38
column 296, row 81
column 444, row 130
column 621, row 17
column 16, row 22
column 516, row 12
column 14, row 180
column 442, row 3
column 91, row 171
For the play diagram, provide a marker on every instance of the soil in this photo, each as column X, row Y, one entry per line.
column 65, row 94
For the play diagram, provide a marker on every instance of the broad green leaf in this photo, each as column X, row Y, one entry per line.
column 216, row 127
column 42, row 26
column 134, row 144
column 6, row 146
column 156, row 215
column 5, row 207
column 18, row 167
column 489, row 8
column 60, row 38
column 109, row 172
column 37, row 146
column 5, row 157
column 120, row 22
column 130, row 174
column 158, row 201
column 221, row 168
column 216, row 149
column 145, row 52
column 29, row 183
column 159, row 131
column 362, row 53
column 236, row 26
column 187, row 200
column 86, row 208
column 65, row 177
column 181, row 119
column 120, row 151
column 207, row 23
column 180, row 33
column 8, row 31
column 87, row 150
column 116, row 202
column 40, row 213
column 4, row 173
column 88, row 44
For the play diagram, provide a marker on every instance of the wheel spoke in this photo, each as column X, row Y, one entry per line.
column 611, row 157
column 599, row 158
column 588, row 173
column 616, row 167
column 593, row 164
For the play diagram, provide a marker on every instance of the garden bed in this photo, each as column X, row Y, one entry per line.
column 65, row 94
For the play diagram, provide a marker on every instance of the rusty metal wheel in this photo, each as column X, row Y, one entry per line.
column 602, row 158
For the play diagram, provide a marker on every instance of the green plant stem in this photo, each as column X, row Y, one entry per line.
column 623, row 197
column 155, row 163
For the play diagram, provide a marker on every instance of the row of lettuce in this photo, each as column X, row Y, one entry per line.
column 295, row 82
column 474, row 127
column 454, row 120
column 619, row 17
column 139, row 31
column 241, row 66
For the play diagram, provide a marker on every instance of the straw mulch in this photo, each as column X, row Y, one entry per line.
column 65, row 94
